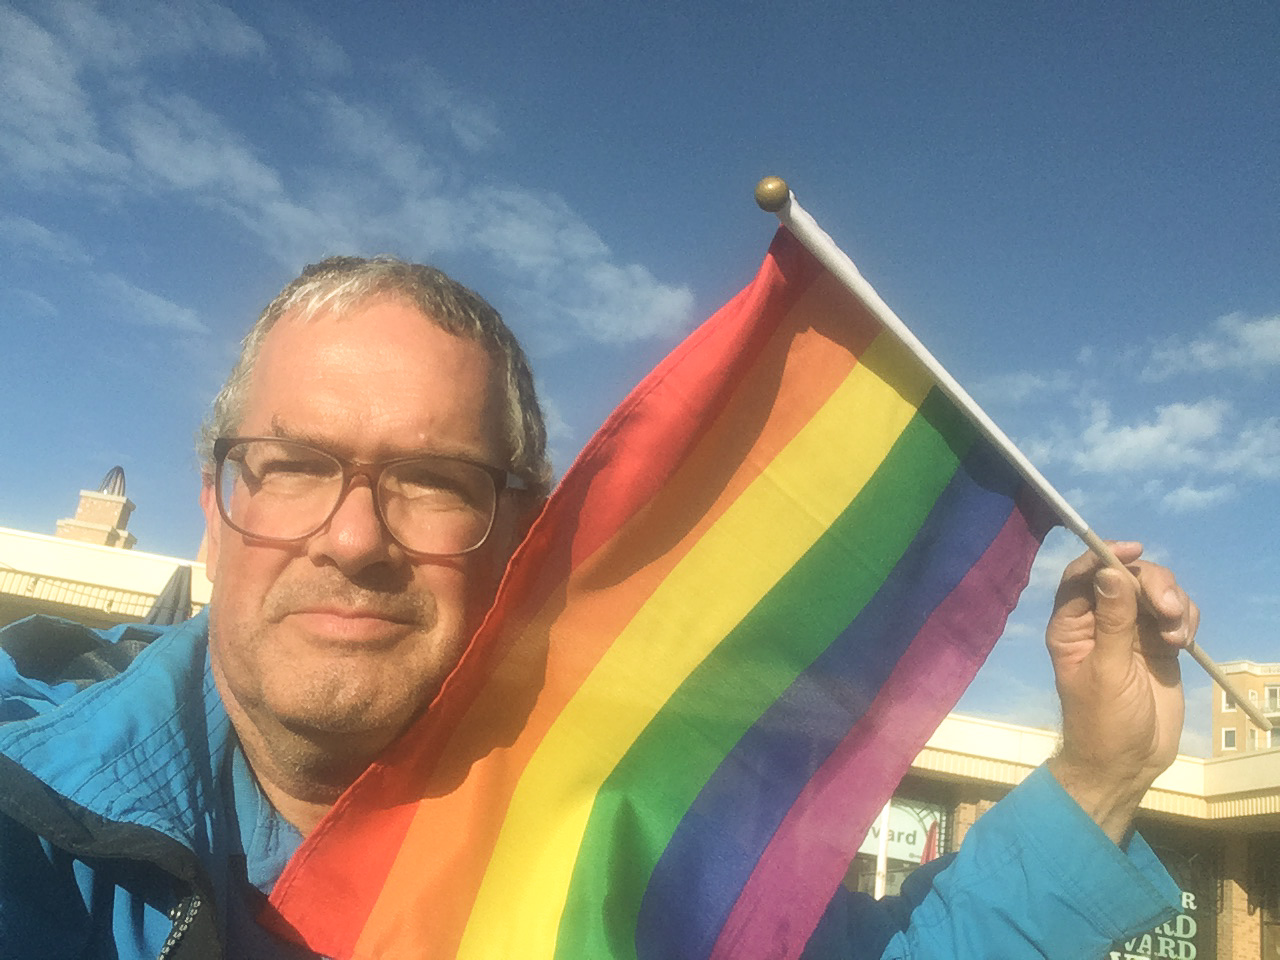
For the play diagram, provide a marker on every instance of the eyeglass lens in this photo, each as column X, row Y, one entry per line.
column 281, row 490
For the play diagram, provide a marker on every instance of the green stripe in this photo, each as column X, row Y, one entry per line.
column 643, row 800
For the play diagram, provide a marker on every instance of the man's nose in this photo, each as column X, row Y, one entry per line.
column 355, row 536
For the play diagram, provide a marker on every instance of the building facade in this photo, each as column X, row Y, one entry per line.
column 1214, row 823
column 1233, row 732
column 89, row 571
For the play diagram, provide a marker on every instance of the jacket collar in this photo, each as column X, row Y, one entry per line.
column 146, row 747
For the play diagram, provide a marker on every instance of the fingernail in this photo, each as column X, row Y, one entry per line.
column 1106, row 583
column 1171, row 599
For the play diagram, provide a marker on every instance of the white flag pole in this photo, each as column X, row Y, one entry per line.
column 773, row 195
column 882, row 853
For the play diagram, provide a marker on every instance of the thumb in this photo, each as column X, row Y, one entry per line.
column 1115, row 617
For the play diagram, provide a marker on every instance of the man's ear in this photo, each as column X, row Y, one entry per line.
column 212, row 525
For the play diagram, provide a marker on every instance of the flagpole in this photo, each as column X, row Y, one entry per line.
column 882, row 852
column 774, row 196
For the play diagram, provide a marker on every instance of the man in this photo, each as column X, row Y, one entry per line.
column 369, row 467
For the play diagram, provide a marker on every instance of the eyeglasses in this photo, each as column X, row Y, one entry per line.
column 281, row 490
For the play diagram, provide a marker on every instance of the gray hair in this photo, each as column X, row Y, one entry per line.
column 339, row 284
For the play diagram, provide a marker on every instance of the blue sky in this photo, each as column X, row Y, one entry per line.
column 1074, row 206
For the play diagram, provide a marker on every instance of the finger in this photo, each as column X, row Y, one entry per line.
column 1075, row 592
column 1115, row 618
column 1127, row 551
column 1176, row 617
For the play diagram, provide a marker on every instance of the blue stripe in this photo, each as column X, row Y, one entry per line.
column 722, row 837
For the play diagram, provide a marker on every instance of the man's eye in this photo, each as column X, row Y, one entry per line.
column 435, row 483
column 278, row 471
column 297, row 466
column 427, row 484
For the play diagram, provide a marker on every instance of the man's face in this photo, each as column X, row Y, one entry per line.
column 344, row 635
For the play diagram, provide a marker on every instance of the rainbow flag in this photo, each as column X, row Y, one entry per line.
column 758, row 590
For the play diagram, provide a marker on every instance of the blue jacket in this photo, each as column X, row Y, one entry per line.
column 109, row 803
column 1035, row 878
column 119, row 834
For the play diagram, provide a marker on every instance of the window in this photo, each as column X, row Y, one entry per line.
column 1253, row 696
column 1251, row 737
column 1228, row 705
column 1229, row 739
column 1272, row 696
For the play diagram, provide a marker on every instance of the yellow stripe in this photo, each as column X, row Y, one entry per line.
column 784, row 511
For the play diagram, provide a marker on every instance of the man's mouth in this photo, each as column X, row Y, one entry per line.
column 353, row 625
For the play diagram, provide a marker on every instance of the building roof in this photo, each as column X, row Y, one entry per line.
column 91, row 583
column 1230, row 792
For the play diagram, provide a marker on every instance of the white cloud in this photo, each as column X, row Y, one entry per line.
column 562, row 444
column 368, row 136
column 1188, row 498
column 133, row 33
column 1255, row 451
column 1182, row 457
column 131, row 303
column 368, row 185
column 1238, row 343
column 1178, row 436
column 147, row 309
column 472, row 122
column 1021, row 387
column 29, row 302
column 563, row 275
column 311, row 48
column 626, row 303
column 27, row 237
column 533, row 235
column 183, row 145
column 47, row 126
column 318, row 52
column 62, row 80
column 567, row 272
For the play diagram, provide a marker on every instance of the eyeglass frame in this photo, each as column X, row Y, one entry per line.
column 503, row 480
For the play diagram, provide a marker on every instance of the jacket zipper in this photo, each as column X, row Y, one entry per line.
column 181, row 915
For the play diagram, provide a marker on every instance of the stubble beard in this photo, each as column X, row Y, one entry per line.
column 327, row 714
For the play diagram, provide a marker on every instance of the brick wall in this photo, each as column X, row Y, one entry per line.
column 1239, row 932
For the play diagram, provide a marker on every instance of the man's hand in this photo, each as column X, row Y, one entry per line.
column 1115, row 658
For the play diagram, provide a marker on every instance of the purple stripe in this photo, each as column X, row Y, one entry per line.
column 808, row 856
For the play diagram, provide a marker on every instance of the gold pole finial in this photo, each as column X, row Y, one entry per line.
column 772, row 194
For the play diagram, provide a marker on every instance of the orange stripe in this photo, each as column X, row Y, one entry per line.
column 448, row 843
